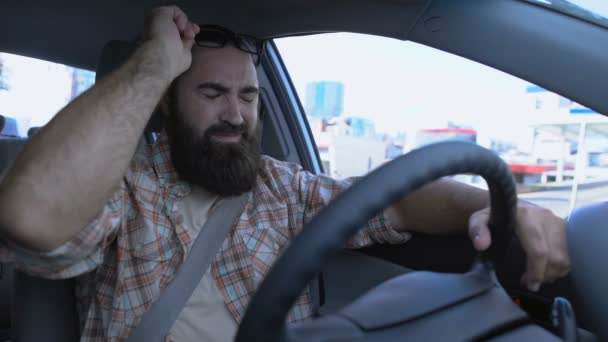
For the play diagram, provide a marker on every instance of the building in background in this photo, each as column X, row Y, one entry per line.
column 570, row 141
column 360, row 127
column 345, row 154
column 348, row 145
column 81, row 81
column 324, row 100
column 3, row 76
column 433, row 135
column 8, row 125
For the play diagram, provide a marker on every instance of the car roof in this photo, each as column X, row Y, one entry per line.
column 74, row 32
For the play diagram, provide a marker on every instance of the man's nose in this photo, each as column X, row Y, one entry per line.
column 232, row 112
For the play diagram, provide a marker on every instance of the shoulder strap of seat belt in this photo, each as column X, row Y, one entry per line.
column 157, row 321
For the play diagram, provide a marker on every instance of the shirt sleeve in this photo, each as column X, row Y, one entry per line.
column 316, row 191
column 81, row 254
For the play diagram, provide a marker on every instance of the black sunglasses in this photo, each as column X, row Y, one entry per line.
column 214, row 36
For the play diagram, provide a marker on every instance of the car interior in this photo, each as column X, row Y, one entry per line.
column 528, row 39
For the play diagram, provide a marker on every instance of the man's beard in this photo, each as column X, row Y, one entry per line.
column 225, row 169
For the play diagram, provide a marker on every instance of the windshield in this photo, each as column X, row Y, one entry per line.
column 595, row 11
column 371, row 99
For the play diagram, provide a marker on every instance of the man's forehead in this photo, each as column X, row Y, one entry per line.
column 226, row 64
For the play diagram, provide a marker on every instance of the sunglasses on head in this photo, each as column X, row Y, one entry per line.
column 214, row 36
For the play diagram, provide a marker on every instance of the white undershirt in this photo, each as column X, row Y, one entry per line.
column 205, row 316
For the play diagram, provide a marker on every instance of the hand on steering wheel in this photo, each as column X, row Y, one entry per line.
column 543, row 238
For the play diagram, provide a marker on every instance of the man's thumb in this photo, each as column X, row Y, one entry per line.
column 479, row 231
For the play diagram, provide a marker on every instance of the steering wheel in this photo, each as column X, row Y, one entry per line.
column 326, row 234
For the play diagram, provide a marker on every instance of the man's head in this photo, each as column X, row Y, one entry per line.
column 212, row 119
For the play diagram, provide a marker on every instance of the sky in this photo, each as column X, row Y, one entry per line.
column 598, row 6
column 400, row 84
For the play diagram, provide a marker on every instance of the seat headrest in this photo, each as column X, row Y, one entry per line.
column 8, row 127
column 32, row 131
column 113, row 55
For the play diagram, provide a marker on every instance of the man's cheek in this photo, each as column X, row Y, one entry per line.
column 206, row 114
column 252, row 121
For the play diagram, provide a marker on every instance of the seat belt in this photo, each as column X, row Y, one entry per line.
column 156, row 322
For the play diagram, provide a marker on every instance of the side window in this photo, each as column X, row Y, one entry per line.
column 32, row 91
column 371, row 99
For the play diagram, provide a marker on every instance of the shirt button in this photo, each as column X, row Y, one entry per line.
column 276, row 246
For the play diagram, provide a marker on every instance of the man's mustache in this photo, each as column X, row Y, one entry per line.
column 226, row 128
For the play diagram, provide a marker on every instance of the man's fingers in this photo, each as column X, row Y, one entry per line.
column 186, row 28
column 559, row 259
column 558, row 267
column 182, row 23
column 180, row 19
column 173, row 36
column 188, row 44
column 482, row 238
column 188, row 36
column 191, row 30
column 479, row 231
column 537, row 255
column 157, row 16
column 542, row 236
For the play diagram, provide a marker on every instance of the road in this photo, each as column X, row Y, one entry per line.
column 559, row 200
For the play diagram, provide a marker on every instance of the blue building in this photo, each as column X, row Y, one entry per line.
column 3, row 82
column 81, row 81
column 360, row 127
column 324, row 100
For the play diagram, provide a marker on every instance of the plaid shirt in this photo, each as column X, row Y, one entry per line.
column 133, row 248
